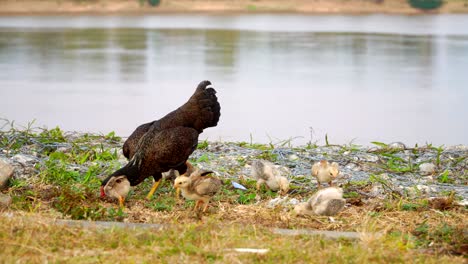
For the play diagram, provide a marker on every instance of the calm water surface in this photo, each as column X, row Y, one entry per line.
column 361, row 78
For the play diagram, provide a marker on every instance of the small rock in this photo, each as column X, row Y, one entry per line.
column 427, row 168
column 5, row 200
column 63, row 149
column 293, row 201
column 429, row 178
column 371, row 158
column 425, row 189
column 377, row 191
column 275, row 202
column 6, row 171
column 457, row 148
column 352, row 167
column 293, row 157
column 385, row 176
column 397, row 145
column 23, row 159
column 412, row 192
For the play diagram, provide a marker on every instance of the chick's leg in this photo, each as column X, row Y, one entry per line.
column 153, row 189
column 196, row 205
column 205, row 207
column 121, row 201
column 259, row 183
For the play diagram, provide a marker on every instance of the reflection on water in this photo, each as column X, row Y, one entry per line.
column 271, row 84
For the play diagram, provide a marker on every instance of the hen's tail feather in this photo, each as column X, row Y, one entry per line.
column 208, row 106
column 203, row 84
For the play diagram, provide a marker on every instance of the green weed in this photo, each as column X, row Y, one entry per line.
column 203, row 158
column 439, row 154
column 267, row 155
column 203, row 144
column 444, row 177
column 351, row 195
column 112, row 137
column 246, row 197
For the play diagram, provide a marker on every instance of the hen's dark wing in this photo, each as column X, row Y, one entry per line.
column 129, row 147
column 160, row 151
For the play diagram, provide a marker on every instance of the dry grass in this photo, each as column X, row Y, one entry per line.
column 393, row 234
column 33, row 239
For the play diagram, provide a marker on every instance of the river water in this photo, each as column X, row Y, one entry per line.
column 354, row 78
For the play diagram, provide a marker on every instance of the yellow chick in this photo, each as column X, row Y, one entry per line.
column 325, row 172
column 173, row 174
column 303, row 209
column 118, row 188
column 199, row 187
column 267, row 173
column 328, row 201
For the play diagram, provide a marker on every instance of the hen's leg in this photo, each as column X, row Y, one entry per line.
column 157, row 178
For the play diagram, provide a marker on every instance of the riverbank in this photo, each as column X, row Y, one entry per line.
column 136, row 7
column 412, row 194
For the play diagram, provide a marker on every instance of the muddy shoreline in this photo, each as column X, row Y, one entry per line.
column 222, row 7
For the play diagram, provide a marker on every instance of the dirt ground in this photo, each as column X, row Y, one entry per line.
column 44, row 7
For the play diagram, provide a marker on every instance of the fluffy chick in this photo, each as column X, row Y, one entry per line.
column 267, row 173
column 325, row 172
column 198, row 188
column 172, row 174
column 118, row 188
column 303, row 209
column 328, row 201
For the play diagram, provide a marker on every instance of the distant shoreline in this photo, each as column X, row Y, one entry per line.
column 142, row 7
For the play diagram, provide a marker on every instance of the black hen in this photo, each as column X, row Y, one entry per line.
column 167, row 143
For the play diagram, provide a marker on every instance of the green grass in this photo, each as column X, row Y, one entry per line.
column 203, row 144
column 267, row 155
column 444, row 177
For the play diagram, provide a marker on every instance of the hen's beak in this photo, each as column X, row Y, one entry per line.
column 103, row 194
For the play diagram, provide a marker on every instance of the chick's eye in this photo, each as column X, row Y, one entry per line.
column 118, row 181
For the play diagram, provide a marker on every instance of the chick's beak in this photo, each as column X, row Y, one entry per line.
column 103, row 194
